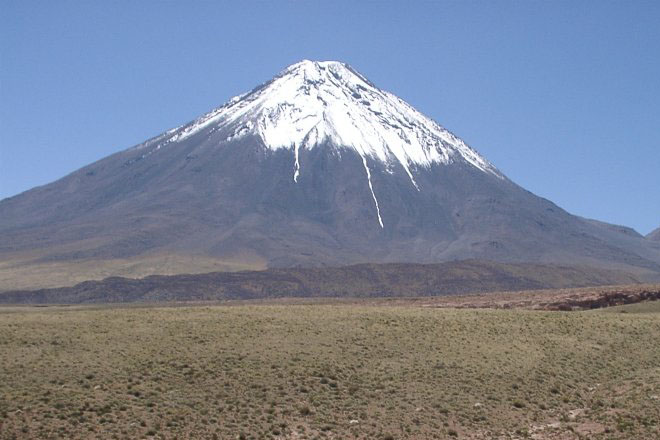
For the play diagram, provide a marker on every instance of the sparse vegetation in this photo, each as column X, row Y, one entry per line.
column 328, row 371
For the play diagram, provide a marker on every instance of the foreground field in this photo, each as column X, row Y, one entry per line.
column 329, row 371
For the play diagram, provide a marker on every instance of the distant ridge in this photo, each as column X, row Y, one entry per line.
column 364, row 280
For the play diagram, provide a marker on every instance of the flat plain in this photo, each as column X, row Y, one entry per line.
column 329, row 371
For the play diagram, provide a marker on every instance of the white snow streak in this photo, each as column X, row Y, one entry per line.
column 412, row 179
column 296, row 171
column 366, row 168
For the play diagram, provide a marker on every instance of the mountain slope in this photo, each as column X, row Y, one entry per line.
column 315, row 167
column 654, row 235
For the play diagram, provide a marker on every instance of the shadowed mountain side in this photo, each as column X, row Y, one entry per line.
column 364, row 280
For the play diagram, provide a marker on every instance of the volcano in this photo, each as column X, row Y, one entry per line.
column 316, row 167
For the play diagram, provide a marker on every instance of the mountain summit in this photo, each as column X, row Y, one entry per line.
column 315, row 167
column 328, row 104
column 314, row 103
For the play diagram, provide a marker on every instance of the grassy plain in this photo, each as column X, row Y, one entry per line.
column 332, row 371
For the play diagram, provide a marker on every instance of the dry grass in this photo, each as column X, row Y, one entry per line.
column 327, row 371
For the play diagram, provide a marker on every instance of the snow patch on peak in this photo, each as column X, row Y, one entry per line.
column 313, row 102
column 313, row 67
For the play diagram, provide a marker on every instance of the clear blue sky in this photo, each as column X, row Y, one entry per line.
column 563, row 97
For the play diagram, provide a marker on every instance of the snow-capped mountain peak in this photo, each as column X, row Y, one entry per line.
column 317, row 167
column 311, row 103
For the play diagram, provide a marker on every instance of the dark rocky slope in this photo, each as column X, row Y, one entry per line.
column 367, row 280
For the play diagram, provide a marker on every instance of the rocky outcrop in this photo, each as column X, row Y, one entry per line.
column 555, row 300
